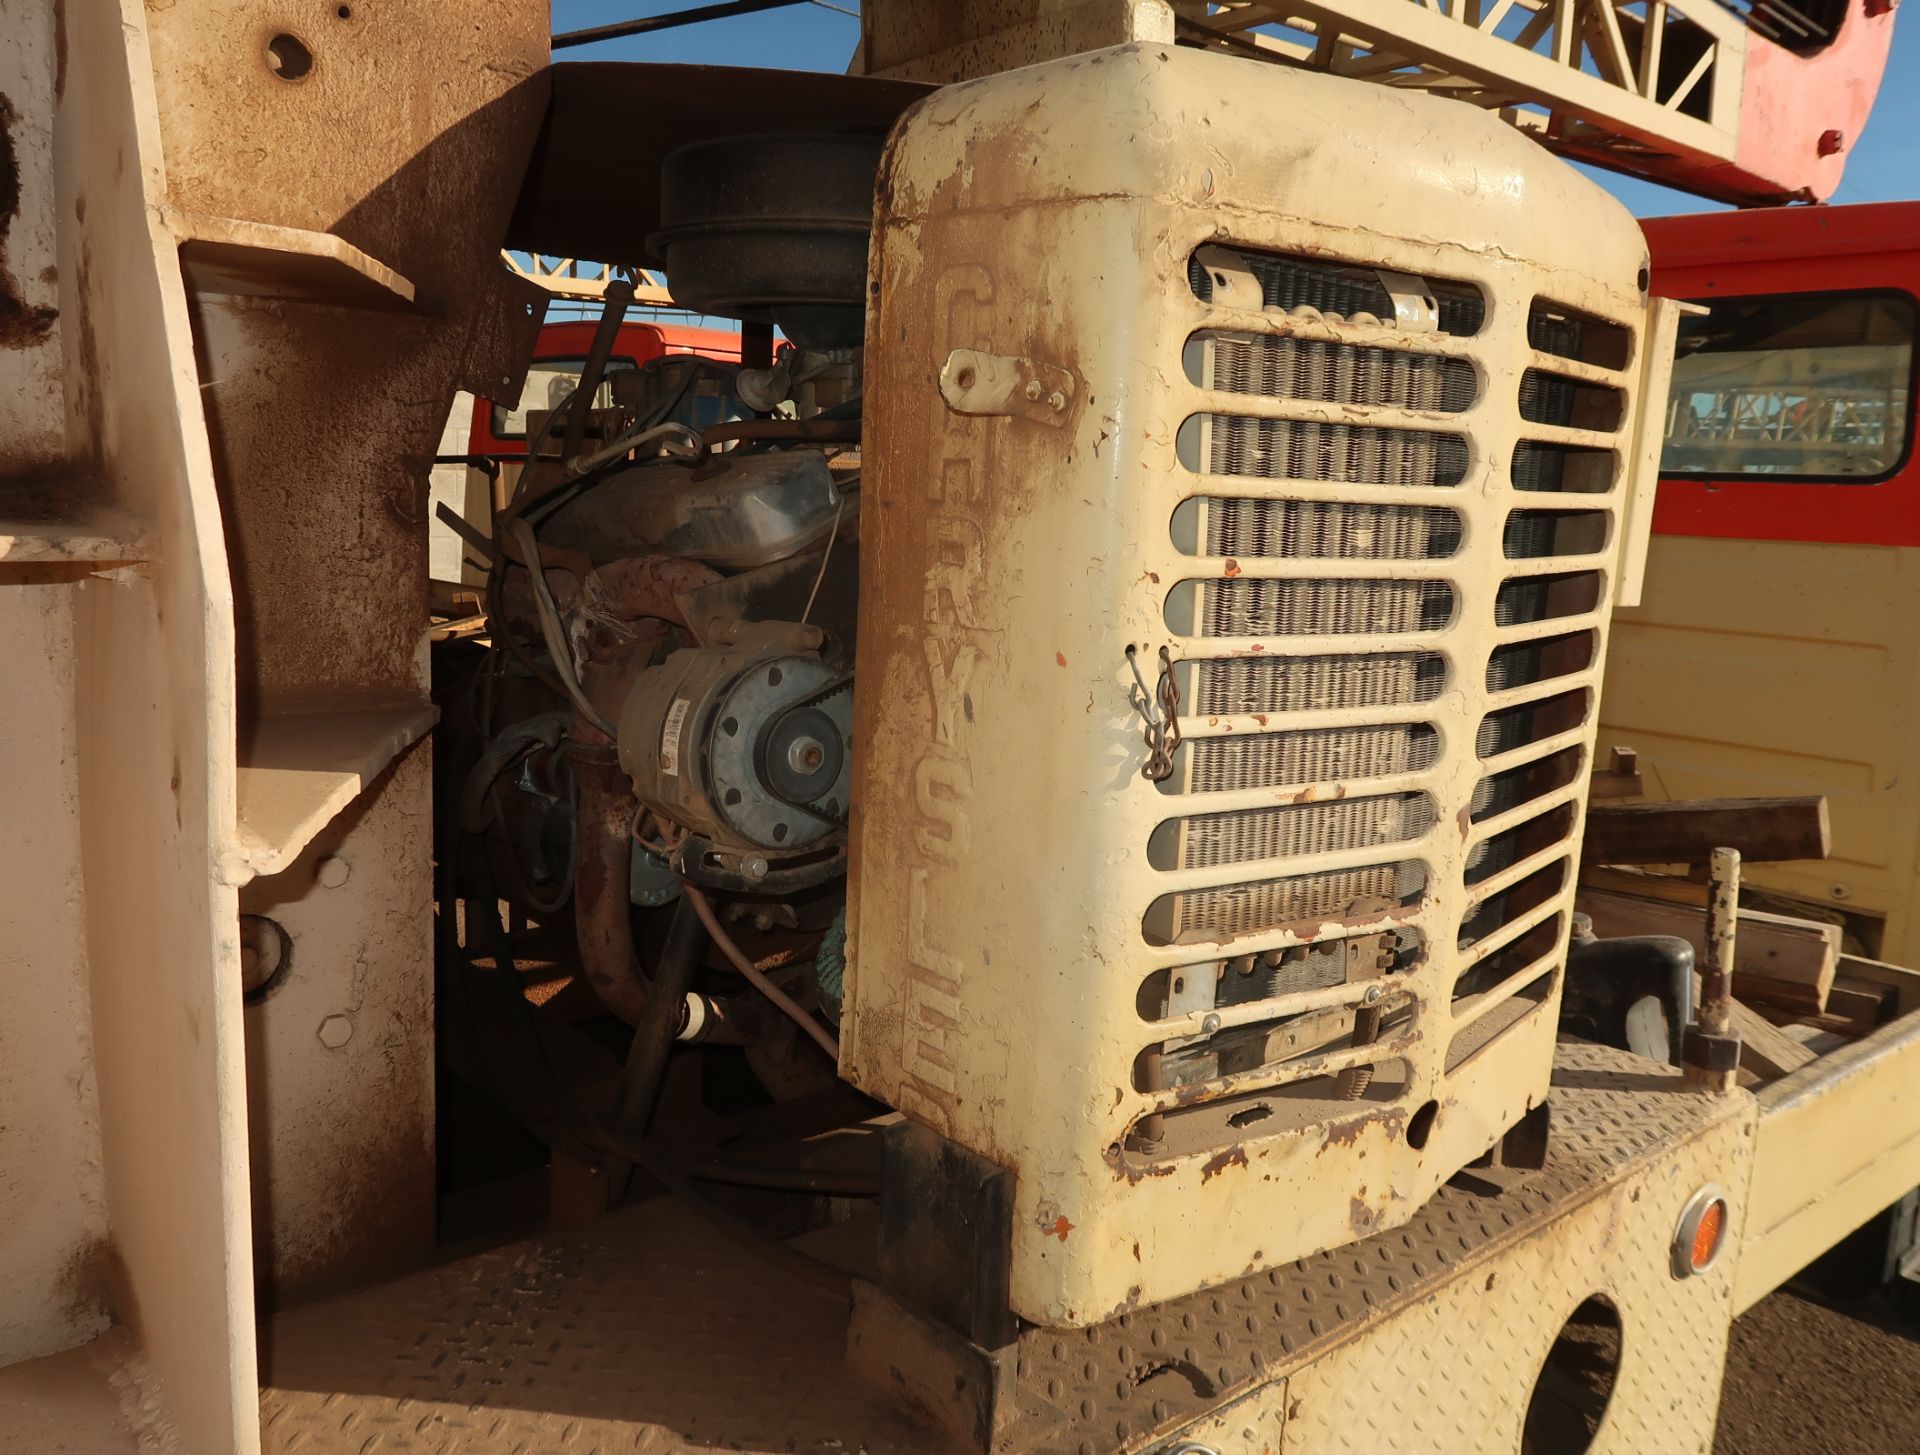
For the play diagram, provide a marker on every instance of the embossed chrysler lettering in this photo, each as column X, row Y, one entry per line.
column 954, row 555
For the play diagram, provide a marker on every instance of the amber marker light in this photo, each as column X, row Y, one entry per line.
column 1701, row 1232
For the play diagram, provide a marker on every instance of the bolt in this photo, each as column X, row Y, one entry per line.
column 804, row 755
column 1210, row 1024
column 754, row 867
column 333, row 871
column 1034, row 390
column 1373, row 994
column 1056, row 401
column 335, row 1031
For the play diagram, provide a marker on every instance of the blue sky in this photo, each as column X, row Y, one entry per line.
column 1884, row 167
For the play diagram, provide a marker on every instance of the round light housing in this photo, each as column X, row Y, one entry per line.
column 1701, row 1232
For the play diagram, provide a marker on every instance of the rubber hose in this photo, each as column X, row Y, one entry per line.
column 508, row 744
column 830, row 966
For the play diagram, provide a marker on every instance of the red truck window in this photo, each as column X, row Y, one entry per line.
column 1794, row 388
column 549, row 381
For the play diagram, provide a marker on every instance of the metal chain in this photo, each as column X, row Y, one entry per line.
column 1159, row 711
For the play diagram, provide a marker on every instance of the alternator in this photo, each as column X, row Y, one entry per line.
column 748, row 746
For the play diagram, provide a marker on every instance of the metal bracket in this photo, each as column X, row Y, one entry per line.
column 973, row 382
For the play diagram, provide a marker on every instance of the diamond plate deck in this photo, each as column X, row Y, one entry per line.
column 652, row 1333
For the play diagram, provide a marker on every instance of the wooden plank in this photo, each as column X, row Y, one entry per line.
column 1765, row 1049
column 1859, row 1002
column 1668, row 888
column 1602, row 787
column 1764, row 830
column 1784, row 961
column 1619, row 779
column 1816, row 1040
column 1904, row 983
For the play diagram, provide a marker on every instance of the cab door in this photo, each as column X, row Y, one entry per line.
column 1777, row 649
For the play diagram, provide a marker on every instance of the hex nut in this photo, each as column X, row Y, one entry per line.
column 336, row 1030
column 333, row 871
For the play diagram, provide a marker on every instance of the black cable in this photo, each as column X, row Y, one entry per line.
column 653, row 1038
column 647, row 24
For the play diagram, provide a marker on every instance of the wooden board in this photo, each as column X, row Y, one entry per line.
column 1765, row 1049
column 1668, row 888
column 1764, row 830
column 1621, row 778
column 1787, row 962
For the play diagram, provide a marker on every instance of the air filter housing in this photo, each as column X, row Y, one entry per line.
column 1297, row 413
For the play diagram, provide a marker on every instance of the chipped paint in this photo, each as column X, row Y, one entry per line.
column 1221, row 1161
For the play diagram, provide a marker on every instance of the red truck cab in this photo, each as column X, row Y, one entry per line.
column 500, row 429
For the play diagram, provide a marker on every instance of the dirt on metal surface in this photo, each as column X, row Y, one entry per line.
column 1803, row 1377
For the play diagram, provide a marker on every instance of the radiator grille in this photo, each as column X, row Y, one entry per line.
column 1249, row 607
column 1289, row 283
column 1212, row 839
column 1329, row 373
column 1263, row 760
column 1231, row 911
column 1257, row 598
column 1251, row 529
column 1315, row 684
column 1352, row 454
column 1548, row 398
column 1579, row 469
